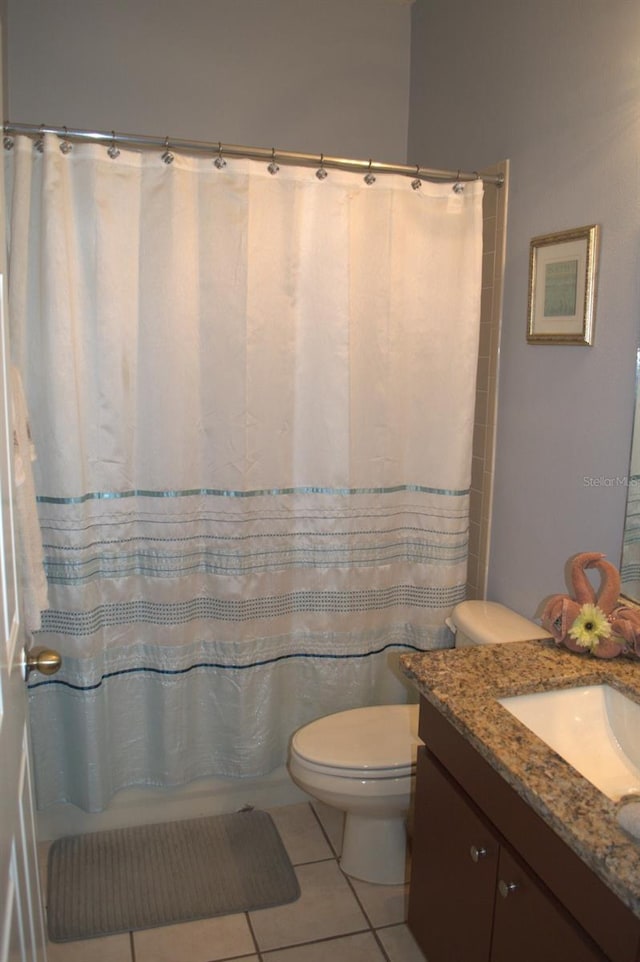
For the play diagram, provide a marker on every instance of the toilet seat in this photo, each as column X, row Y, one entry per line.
column 378, row 742
column 362, row 762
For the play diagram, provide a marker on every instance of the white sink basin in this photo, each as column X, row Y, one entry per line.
column 595, row 728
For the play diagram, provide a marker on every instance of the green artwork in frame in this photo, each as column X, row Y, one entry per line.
column 562, row 283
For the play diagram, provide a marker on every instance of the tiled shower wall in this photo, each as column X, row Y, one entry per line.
column 484, row 432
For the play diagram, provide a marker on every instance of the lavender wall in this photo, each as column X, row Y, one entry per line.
column 554, row 87
column 326, row 76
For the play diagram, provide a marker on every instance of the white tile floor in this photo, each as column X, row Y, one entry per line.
column 335, row 917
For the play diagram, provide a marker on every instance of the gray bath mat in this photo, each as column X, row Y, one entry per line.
column 137, row 878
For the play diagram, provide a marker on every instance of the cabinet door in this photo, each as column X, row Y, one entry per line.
column 454, row 871
column 530, row 926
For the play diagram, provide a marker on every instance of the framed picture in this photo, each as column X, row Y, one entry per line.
column 562, row 287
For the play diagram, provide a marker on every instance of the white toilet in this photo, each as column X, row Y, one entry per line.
column 363, row 761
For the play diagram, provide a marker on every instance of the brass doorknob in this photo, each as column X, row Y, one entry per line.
column 44, row 660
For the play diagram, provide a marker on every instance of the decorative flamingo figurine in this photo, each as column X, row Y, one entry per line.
column 561, row 611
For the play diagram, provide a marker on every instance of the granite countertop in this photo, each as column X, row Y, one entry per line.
column 464, row 685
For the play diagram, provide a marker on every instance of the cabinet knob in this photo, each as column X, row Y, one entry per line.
column 477, row 852
column 506, row 888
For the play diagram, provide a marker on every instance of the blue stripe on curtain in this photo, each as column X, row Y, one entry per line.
column 199, row 665
column 111, row 495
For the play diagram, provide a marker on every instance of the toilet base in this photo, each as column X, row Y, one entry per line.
column 375, row 849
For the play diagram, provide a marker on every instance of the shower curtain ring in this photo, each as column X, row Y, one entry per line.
column 39, row 144
column 167, row 156
column 65, row 146
column 220, row 162
column 321, row 173
column 369, row 177
column 8, row 140
column 417, row 183
column 458, row 187
column 273, row 167
column 112, row 150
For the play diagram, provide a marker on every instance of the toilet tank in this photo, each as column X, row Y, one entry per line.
column 490, row 623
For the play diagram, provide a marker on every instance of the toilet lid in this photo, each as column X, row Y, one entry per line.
column 381, row 739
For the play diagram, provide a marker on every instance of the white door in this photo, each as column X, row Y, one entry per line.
column 21, row 916
column 21, row 922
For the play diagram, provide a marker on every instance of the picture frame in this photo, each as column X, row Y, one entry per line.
column 562, row 287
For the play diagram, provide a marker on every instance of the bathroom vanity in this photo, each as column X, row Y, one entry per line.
column 515, row 856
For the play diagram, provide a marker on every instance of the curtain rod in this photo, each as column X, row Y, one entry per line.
column 258, row 153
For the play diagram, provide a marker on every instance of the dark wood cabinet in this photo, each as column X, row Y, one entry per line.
column 490, row 881
column 454, row 872
column 471, row 899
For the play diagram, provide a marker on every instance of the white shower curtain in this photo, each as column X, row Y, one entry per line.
column 252, row 401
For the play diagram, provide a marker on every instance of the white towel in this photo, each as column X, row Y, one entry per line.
column 30, row 554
